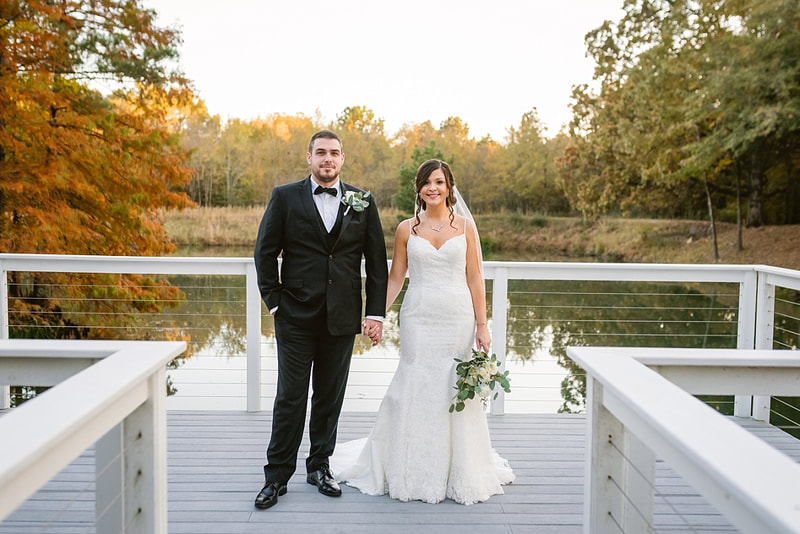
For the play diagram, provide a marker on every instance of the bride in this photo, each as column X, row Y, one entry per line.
column 417, row 450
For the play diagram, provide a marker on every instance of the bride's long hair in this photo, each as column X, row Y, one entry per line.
column 423, row 173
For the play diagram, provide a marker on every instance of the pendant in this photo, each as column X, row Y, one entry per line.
column 437, row 229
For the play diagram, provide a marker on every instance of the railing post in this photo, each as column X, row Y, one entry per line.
column 144, row 446
column 765, row 321
column 3, row 303
column 253, row 306
column 5, row 389
column 499, row 320
column 639, row 481
column 109, row 466
column 602, row 502
column 745, row 333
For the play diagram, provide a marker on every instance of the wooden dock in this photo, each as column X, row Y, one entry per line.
column 214, row 473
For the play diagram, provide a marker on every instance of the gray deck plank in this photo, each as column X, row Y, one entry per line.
column 214, row 472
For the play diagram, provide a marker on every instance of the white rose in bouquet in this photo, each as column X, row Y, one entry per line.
column 484, row 374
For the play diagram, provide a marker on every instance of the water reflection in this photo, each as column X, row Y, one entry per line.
column 544, row 317
column 551, row 315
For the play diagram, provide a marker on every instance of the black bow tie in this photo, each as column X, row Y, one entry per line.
column 330, row 190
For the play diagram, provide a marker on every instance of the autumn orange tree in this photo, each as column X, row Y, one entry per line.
column 82, row 172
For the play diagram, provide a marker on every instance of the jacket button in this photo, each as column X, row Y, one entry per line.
column 330, row 282
column 330, row 257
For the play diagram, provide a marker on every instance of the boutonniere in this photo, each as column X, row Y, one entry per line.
column 355, row 200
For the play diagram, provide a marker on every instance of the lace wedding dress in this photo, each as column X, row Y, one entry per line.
column 417, row 450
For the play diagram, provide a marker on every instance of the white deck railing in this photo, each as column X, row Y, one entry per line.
column 756, row 284
column 110, row 391
column 107, row 392
column 638, row 401
column 51, row 263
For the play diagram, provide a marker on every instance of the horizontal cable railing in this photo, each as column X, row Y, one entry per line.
column 785, row 411
column 114, row 297
column 211, row 317
column 536, row 310
column 777, row 308
column 560, row 305
column 547, row 316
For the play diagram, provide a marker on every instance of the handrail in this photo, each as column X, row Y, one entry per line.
column 755, row 283
column 649, row 272
column 125, row 390
column 151, row 265
column 630, row 404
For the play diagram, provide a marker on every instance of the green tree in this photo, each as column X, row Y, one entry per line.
column 404, row 200
column 277, row 152
column 527, row 164
column 370, row 160
column 478, row 182
column 411, row 136
column 751, row 105
column 460, row 150
column 554, row 201
column 200, row 136
column 240, row 163
column 692, row 96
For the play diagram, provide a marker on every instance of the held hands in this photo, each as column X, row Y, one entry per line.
column 483, row 340
column 373, row 329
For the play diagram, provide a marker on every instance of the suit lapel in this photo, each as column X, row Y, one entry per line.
column 309, row 207
column 342, row 208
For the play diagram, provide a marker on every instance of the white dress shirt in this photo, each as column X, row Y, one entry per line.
column 327, row 205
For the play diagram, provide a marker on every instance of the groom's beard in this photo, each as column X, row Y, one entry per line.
column 326, row 179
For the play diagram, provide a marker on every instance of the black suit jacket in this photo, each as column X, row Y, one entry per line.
column 320, row 271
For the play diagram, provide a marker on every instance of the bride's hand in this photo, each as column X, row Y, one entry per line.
column 483, row 339
column 373, row 329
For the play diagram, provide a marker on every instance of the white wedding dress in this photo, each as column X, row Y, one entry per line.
column 417, row 450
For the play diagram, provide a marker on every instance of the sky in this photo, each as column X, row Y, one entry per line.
column 485, row 61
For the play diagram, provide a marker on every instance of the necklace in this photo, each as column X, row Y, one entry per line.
column 436, row 229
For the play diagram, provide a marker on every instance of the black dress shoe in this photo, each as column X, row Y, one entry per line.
column 323, row 479
column 268, row 495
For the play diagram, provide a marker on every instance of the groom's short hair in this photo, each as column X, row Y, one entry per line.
column 324, row 134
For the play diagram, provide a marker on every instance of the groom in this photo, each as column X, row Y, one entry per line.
column 316, row 302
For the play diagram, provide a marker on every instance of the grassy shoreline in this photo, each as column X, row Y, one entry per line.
column 538, row 238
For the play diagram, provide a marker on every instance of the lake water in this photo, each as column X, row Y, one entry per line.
column 544, row 317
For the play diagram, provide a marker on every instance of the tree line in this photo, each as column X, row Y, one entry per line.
column 693, row 113
column 240, row 162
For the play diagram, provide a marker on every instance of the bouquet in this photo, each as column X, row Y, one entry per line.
column 478, row 376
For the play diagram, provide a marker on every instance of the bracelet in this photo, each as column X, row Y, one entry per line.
column 479, row 324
